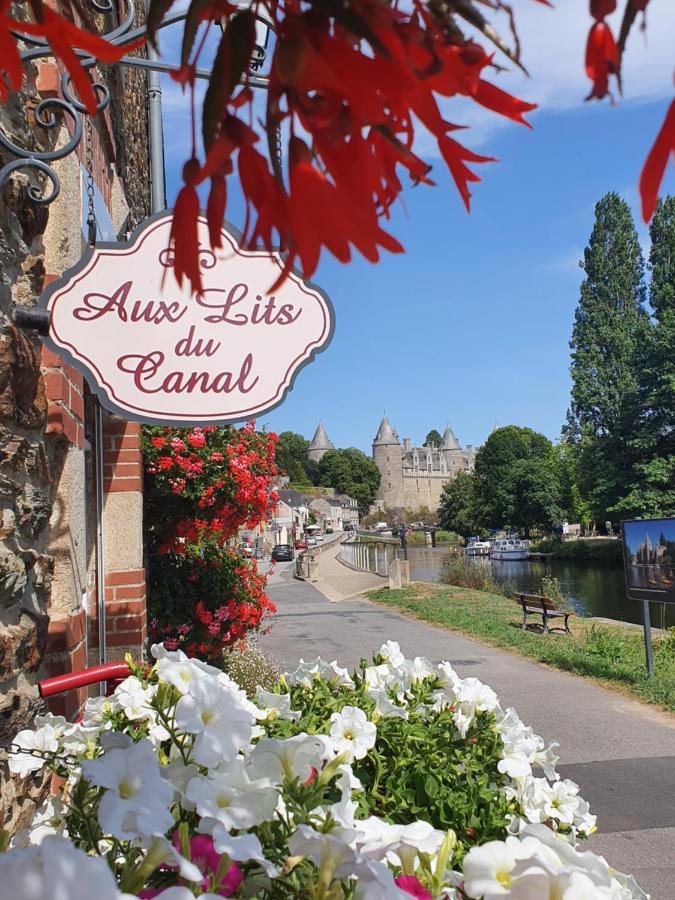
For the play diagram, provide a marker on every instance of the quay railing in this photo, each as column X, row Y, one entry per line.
column 370, row 554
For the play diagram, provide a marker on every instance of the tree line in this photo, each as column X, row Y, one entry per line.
column 616, row 455
column 347, row 471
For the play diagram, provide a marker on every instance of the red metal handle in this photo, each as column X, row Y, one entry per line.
column 60, row 684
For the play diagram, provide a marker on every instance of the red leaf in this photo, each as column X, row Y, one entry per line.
column 184, row 229
column 455, row 156
column 215, row 209
column 499, row 101
column 656, row 162
column 602, row 58
column 601, row 8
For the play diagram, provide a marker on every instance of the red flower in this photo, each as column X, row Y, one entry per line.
column 410, row 884
column 602, row 8
column 602, row 58
column 656, row 162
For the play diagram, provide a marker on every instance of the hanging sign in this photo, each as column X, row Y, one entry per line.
column 155, row 353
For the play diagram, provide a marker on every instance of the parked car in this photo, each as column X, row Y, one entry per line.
column 300, row 544
column 283, row 553
column 246, row 550
column 348, row 526
column 311, row 542
column 329, row 530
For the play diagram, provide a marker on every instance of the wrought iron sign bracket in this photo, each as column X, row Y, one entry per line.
column 52, row 112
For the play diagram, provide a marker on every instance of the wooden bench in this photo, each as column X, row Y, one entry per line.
column 535, row 604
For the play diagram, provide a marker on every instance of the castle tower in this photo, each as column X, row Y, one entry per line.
column 320, row 445
column 387, row 457
column 449, row 441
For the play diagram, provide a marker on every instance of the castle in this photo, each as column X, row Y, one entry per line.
column 412, row 477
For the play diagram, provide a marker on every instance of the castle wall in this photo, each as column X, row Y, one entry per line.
column 421, row 490
column 388, row 459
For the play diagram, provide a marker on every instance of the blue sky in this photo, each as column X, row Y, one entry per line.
column 471, row 326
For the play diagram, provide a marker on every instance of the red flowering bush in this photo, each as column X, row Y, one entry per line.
column 202, row 486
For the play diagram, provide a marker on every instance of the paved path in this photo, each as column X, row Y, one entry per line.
column 338, row 582
column 621, row 752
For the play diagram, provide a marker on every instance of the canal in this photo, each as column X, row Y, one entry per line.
column 594, row 589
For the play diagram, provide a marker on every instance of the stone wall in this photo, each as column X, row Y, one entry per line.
column 48, row 589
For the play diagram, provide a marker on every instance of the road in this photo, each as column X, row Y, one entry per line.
column 621, row 752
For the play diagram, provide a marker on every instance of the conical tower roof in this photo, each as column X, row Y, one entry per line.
column 449, row 441
column 321, row 441
column 386, row 434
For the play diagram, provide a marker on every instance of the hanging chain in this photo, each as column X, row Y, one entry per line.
column 47, row 756
column 89, row 163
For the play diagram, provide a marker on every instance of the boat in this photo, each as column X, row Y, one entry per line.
column 509, row 548
column 475, row 547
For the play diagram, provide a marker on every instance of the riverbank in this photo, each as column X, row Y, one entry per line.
column 605, row 550
column 612, row 654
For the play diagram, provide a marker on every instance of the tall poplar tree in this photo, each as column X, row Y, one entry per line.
column 652, row 485
column 609, row 341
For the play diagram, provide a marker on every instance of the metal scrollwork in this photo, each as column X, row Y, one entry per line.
column 100, row 90
column 36, row 194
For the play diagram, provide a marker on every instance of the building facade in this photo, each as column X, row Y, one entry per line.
column 413, row 477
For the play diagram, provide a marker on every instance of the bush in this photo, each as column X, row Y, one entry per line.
column 463, row 572
column 398, row 779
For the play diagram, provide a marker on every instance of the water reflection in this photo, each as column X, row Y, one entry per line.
column 595, row 589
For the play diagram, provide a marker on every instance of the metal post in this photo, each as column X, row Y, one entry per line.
column 100, row 550
column 648, row 636
column 155, row 134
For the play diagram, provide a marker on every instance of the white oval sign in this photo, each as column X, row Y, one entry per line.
column 156, row 353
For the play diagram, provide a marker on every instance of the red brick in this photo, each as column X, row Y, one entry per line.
column 126, row 608
column 118, row 427
column 112, row 457
column 131, row 576
column 56, row 387
column 129, row 442
column 66, row 633
column 130, row 593
column 129, row 485
column 125, row 470
column 73, row 375
column 60, row 421
column 49, row 79
column 50, row 359
column 128, row 623
column 123, row 638
column 76, row 403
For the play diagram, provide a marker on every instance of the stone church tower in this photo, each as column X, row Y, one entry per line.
column 320, row 445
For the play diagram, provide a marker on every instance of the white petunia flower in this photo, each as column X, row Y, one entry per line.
column 96, row 711
column 336, row 675
column 212, row 713
column 352, row 733
column 332, row 856
column 490, row 872
column 231, row 798
column 391, row 652
column 286, row 760
column 277, row 706
column 134, row 700
column 242, row 848
column 563, row 801
column 385, row 706
column 136, row 801
column 42, row 740
column 48, row 820
column 57, row 870
column 376, row 882
column 417, row 837
column 305, row 674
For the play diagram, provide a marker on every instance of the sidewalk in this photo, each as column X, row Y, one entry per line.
column 338, row 582
column 621, row 752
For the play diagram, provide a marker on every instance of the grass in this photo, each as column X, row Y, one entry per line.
column 587, row 549
column 614, row 654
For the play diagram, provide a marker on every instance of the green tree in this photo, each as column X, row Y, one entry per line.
column 609, row 344
column 493, row 487
column 651, row 490
column 434, row 437
column 535, row 495
column 457, row 508
column 291, row 456
column 566, row 462
column 350, row 472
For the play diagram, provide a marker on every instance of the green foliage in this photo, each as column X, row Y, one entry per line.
column 350, row 472
column 474, row 574
column 434, row 437
column 613, row 653
column 457, row 508
column 535, row 495
column 420, row 767
column 291, row 457
column 601, row 550
column 550, row 587
column 501, row 488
